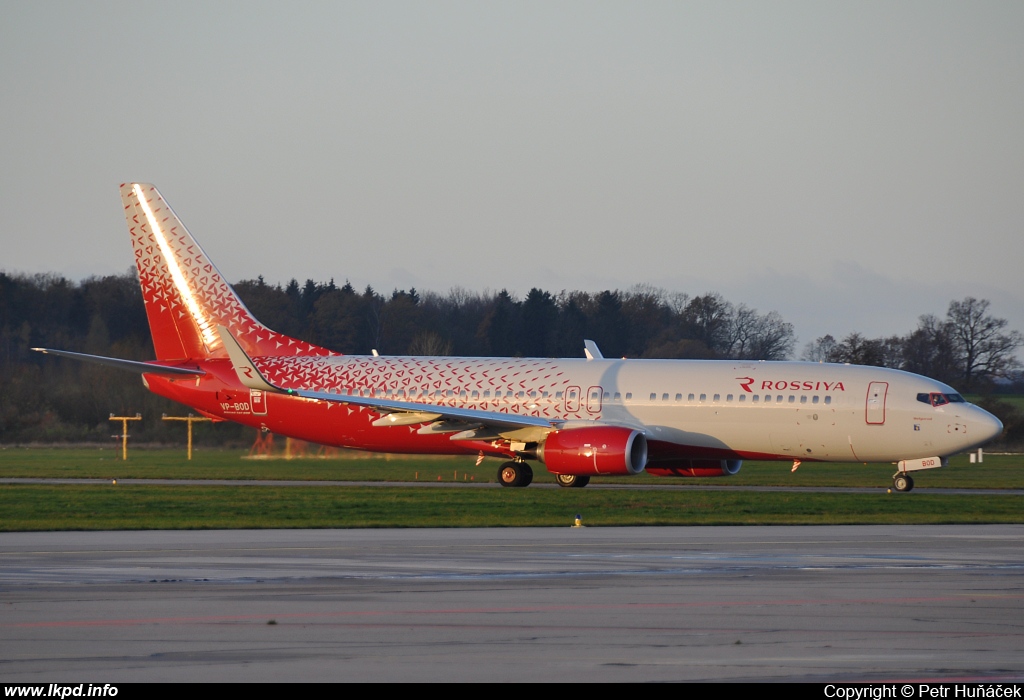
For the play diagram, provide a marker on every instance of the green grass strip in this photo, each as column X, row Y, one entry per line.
column 120, row 507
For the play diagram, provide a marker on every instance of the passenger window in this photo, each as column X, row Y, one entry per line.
column 654, row 397
column 703, row 398
column 558, row 394
column 743, row 397
column 729, row 397
column 792, row 399
column 814, row 400
column 803, row 399
column 828, row 400
column 476, row 394
column 487, row 394
column 755, row 398
column 664, row 397
column 767, row 398
column 618, row 396
column 718, row 397
column 689, row 397
column 629, row 395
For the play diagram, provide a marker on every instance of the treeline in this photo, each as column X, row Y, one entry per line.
column 969, row 348
column 48, row 399
column 641, row 322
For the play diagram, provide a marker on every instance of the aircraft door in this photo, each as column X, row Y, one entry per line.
column 594, row 395
column 874, row 411
column 572, row 399
column 258, row 402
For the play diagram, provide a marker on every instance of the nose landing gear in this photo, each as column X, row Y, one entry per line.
column 903, row 482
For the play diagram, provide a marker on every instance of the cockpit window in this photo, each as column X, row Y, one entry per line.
column 937, row 399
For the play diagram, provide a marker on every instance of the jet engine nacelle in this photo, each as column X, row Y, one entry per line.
column 591, row 451
column 697, row 467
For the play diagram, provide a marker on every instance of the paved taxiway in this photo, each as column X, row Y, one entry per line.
column 593, row 604
column 489, row 485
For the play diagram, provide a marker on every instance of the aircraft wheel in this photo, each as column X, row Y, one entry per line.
column 515, row 474
column 571, row 481
column 527, row 474
column 903, row 482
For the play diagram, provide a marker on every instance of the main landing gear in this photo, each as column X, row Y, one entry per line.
column 515, row 473
column 901, row 481
column 571, row 481
column 518, row 474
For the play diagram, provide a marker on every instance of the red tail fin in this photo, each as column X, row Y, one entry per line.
column 186, row 297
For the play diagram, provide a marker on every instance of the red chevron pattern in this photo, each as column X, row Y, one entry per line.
column 500, row 384
column 186, row 297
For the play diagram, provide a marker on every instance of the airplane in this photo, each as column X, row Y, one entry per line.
column 579, row 417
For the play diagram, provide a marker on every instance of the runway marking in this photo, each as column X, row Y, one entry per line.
column 506, row 610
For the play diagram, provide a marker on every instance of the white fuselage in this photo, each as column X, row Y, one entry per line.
column 770, row 410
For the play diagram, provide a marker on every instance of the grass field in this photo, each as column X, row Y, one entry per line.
column 1015, row 400
column 106, row 506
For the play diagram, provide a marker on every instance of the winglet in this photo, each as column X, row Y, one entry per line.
column 591, row 350
column 244, row 368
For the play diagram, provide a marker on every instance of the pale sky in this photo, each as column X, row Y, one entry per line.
column 851, row 165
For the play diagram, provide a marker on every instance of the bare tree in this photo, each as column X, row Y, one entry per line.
column 749, row 335
column 984, row 350
column 821, row 350
column 429, row 343
column 708, row 319
column 929, row 350
column 774, row 338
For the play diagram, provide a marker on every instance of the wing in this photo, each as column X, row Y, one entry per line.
column 466, row 423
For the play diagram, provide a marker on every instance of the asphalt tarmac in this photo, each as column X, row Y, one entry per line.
column 489, row 485
column 817, row 603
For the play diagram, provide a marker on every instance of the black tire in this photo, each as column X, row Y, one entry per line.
column 903, row 483
column 571, row 481
column 527, row 475
column 515, row 474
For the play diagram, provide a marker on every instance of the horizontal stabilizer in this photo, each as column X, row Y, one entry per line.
column 129, row 365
